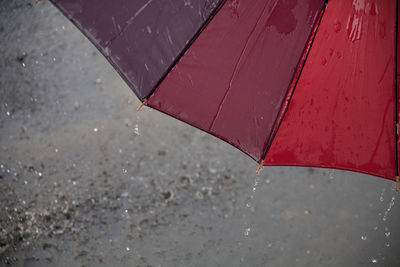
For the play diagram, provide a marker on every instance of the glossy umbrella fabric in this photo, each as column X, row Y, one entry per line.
column 290, row 82
column 342, row 113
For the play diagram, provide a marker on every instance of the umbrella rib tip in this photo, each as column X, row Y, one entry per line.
column 141, row 105
column 260, row 166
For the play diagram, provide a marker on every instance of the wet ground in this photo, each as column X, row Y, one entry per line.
column 86, row 181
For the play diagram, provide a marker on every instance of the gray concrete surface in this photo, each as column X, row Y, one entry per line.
column 86, row 181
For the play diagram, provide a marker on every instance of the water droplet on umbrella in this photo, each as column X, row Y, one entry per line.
column 148, row 29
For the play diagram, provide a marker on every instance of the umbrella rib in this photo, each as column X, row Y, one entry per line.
column 293, row 84
column 236, row 68
column 188, row 45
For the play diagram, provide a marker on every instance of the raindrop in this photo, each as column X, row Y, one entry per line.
column 363, row 238
column 124, row 171
column 76, row 105
column 387, row 244
column 1, row 166
column 381, row 199
column 391, row 204
column 373, row 260
column 98, row 81
column 148, row 29
column 136, row 129
column 23, row 64
column 128, row 249
column 95, row 130
column 247, row 231
column 8, row 113
column 387, row 234
column 212, row 170
column 56, row 150
column 39, row 174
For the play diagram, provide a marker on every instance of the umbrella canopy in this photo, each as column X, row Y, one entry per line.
column 288, row 82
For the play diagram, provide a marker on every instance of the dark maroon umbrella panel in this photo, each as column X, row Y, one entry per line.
column 141, row 38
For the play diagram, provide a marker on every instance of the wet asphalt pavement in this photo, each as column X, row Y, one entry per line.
column 86, row 181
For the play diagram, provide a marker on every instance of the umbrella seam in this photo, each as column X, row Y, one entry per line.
column 235, row 69
column 295, row 81
column 186, row 47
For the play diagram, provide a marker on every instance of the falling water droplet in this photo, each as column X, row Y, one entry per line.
column 128, row 249
column 95, row 130
column 136, row 129
column 363, row 238
column 247, row 231
column 391, row 204
column 373, row 260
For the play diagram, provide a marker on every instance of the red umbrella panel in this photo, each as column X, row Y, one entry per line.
column 288, row 82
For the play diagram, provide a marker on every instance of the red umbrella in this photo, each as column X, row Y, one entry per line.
column 288, row 82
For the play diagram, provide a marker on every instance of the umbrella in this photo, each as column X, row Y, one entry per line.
column 288, row 82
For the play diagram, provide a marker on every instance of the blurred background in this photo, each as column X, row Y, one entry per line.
column 87, row 181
